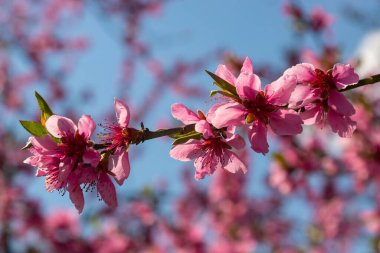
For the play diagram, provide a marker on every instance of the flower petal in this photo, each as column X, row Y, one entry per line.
column 236, row 141
column 106, row 190
column 258, row 137
column 60, row 126
column 312, row 115
column 86, row 126
column 91, row 156
column 76, row 197
column 230, row 131
column 204, row 127
column 87, row 175
column 223, row 72
column 301, row 96
column 122, row 113
column 206, row 165
column 341, row 124
column 338, row 102
column 44, row 145
column 248, row 85
column 284, row 122
column 65, row 167
column 41, row 172
column 184, row 114
column 187, row 151
column 305, row 72
column 279, row 91
column 232, row 163
column 344, row 75
column 247, row 66
column 211, row 112
column 231, row 113
column 120, row 165
column 33, row 161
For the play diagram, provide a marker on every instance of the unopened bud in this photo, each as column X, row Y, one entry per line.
column 201, row 115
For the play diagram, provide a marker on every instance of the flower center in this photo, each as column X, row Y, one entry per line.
column 324, row 81
column 258, row 109
column 74, row 145
column 117, row 136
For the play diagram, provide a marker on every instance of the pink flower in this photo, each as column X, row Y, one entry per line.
column 74, row 149
column 119, row 137
column 258, row 108
column 318, row 93
column 62, row 225
column 111, row 239
column 279, row 179
column 44, row 158
column 320, row 19
column 371, row 219
column 212, row 151
column 329, row 216
column 99, row 178
column 184, row 114
column 72, row 161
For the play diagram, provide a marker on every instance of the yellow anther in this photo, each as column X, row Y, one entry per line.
column 250, row 118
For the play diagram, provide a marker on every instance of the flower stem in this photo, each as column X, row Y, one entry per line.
column 98, row 146
column 370, row 80
column 148, row 135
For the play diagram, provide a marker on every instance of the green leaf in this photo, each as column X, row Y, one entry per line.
column 224, row 93
column 185, row 137
column 214, row 92
column 223, row 84
column 46, row 112
column 34, row 128
column 180, row 135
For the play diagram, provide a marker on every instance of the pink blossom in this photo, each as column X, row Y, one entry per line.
column 112, row 240
column 212, row 151
column 320, row 19
column 99, row 178
column 144, row 212
column 57, row 160
column 279, row 179
column 329, row 216
column 184, row 114
column 362, row 154
column 119, row 137
column 318, row 94
column 62, row 225
column 292, row 10
column 258, row 108
column 72, row 161
column 371, row 218
column 323, row 60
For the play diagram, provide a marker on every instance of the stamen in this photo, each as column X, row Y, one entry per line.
column 250, row 118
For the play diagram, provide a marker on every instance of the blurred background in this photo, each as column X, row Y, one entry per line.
column 313, row 193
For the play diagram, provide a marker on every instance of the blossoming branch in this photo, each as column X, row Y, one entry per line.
column 71, row 161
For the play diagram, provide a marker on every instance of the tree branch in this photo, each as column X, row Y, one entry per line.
column 362, row 82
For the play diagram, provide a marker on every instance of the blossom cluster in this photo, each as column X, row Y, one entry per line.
column 320, row 191
column 66, row 157
column 70, row 161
